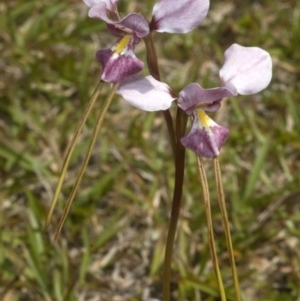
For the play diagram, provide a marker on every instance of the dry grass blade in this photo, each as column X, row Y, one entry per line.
column 272, row 208
column 87, row 157
column 70, row 151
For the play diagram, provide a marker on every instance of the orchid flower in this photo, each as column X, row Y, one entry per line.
column 246, row 70
column 119, row 62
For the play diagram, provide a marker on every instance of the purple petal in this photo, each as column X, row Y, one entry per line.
column 132, row 23
column 205, row 139
column 194, row 95
column 146, row 93
column 178, row 16
column 119, row 62
column 249, row 69
column 116, row 31
column 136, row 23
column 110, row 4
column 98, row 11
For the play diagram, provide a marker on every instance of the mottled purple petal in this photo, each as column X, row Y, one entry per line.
column 194, row 95
column 119, row 62
column 178, row 16
column 132, row 23
column 146, row 93
column 116, row 31
column 103, row 56
column 135, row 22
column 205, row 140
column 249, row 69
column 110, row 4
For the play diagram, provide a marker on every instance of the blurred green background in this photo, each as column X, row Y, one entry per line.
column 111, row 247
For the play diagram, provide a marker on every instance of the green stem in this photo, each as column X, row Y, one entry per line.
column 70, row 150
column 211, row 238
column 87, row 157
column 222, row 205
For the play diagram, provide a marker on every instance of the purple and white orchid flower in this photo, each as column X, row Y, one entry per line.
column 246, row 70
column 119, row 62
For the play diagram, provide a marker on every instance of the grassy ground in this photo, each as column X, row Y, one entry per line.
column 111, row 247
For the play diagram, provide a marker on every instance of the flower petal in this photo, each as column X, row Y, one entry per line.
column 205, row 138
column 119, row 62
column 180, row 16
column 116, row 69
column 135, row 22
column 249, row 69
column 209, row 99
column 146, row 93
column 132, row 23
column 110, row 4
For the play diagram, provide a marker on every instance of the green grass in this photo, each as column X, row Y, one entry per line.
column 112, row 243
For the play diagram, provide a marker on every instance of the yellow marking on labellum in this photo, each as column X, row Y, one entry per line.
column 121, row 45
column 204, row 119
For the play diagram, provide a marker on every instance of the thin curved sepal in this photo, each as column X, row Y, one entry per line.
column 86, row 159
column 70, row 152
column 210, row 231
column 222, row 204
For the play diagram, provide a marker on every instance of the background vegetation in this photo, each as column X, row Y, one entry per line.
column 111, row 247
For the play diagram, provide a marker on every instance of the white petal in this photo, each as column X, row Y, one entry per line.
column 249, row 69
column 110, row 4
column 178, row 16
column 146, row 93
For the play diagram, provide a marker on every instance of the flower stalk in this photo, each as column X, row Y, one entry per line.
column 179, row 158
column 181, row 122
